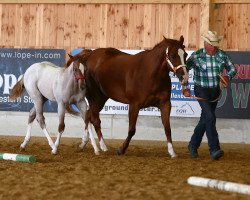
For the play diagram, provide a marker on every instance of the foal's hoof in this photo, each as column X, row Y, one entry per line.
column 54, row 151
column 119, row 151
column 82, row 145
column 21, row 149
column 97, row 153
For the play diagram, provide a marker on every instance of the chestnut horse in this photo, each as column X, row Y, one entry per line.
column 141, row 80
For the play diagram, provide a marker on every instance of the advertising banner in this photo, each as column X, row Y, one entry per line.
column 13, row 63
column 234, row 102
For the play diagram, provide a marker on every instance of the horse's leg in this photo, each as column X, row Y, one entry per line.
column 95, row 109
column 103, row 146
column 133, row 115
column 92, row 140
column 41, row 120
column 82, row 106
column 32, row 116
column 61, row 126
column 165, row 117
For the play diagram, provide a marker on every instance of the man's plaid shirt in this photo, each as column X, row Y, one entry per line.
column 206, row 67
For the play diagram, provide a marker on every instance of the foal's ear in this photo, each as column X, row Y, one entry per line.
column 182, row 39
column 164, row 37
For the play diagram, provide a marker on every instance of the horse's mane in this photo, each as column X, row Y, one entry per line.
column 112, row 51
column 83, row 55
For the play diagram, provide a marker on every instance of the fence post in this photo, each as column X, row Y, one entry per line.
column 204, row 18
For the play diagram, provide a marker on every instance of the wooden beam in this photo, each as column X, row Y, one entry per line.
column 100, row 1
column 205, row 18
column 121, row 1
column 231, row 1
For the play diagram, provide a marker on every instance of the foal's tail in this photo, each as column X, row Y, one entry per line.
column 17, row 90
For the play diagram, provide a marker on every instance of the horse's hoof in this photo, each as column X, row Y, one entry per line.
column 119, row 152
column 82, row 145
column 97, row 153
column 174, row 156
column 79, row 149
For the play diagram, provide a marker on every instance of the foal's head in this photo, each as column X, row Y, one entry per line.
column 78, row 71
column 176, row 57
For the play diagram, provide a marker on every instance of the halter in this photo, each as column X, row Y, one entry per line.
column 179, row 66
column 78, row 77
column 183, row 66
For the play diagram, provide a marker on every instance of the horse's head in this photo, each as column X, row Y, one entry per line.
column 80, row 57
column 176, row 58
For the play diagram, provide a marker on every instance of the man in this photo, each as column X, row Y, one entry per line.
column 208, row 64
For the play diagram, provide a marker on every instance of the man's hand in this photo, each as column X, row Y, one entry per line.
column 186, row 92
column 224, row 81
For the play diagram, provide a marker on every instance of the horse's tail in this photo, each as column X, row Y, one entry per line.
column 17, row 90
column 71, row 111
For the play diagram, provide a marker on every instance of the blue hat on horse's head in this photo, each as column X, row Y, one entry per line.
column 212, row 38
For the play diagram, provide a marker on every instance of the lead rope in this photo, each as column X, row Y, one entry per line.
column 202, row 99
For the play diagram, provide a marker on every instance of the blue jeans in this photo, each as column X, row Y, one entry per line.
column 207, row 121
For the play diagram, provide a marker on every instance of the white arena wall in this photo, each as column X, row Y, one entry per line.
column 116, row 126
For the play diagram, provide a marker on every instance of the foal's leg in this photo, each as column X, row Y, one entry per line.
column 41, row 120
column 32, row 116
column 82, row 106
column 165, row 117
column 133, row 115
column 61, row 126
column 85, row 136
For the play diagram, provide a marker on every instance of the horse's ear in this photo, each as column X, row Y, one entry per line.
column 182, row 39
column 164, row 37
column 70, row 56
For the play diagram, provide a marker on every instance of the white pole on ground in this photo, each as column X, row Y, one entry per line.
column 218, row 184
column 18, row 157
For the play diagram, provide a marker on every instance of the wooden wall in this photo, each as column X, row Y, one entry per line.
column 233, row 22
column 120, row 25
